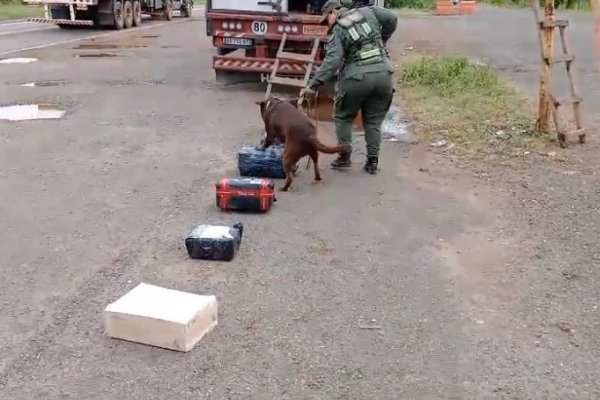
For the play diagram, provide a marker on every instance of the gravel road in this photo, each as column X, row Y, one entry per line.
column 100, row 200
column 23, row 35
column 549, row 202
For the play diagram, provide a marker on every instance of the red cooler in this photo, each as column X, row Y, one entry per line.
column 245, row 194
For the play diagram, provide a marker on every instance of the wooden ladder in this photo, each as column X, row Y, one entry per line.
column 545, row 25
column 308, row 59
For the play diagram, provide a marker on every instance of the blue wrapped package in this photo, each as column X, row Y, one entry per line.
column 214, row 242
column 261, row 164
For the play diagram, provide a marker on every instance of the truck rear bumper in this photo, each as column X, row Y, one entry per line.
column 77, row 22
column 63, row 2
column 219, row 36
column 258, row 65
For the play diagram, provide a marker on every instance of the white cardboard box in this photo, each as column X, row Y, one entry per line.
column 161, row 317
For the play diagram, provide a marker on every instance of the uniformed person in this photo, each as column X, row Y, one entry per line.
column 357, row 48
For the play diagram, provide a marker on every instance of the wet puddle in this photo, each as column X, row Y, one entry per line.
column 135, row 82
column 104, row 46
column 395, row 126
column 100, row 55
column 18, row 60
column 25, row 112
column 44, row 83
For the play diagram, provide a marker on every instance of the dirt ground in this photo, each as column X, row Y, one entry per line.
column 549, row 203
column 481, row 277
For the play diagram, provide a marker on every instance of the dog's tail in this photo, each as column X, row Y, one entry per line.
column 340, row 148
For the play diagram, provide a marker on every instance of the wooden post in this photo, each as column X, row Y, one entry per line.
column 545, row 106
column 596, row 9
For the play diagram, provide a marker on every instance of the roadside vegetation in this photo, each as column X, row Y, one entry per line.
column 458, row 103
column 582, row 5
column 411, row 7
column 16, row 9
column 426, row 6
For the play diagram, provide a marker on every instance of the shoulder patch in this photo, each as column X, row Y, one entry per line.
column 356, row 16
column 351, row 18
column 345, row 22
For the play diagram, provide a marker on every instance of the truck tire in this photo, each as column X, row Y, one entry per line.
column 137, row 13
column 168, row 9
column 186, row 10
column 127, row 14
column 118, row 18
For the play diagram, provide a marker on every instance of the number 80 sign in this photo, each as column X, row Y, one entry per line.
column 259, row 27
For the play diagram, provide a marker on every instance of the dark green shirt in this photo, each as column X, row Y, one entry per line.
column 336, row 53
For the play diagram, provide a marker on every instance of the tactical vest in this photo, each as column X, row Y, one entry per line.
column 362, row 38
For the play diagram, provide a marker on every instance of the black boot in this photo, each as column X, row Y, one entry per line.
column 371, row 165
column 343, row 161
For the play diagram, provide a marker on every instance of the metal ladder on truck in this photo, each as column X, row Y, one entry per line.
column 308, row 59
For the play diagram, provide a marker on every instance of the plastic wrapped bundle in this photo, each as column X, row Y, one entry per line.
column 245, row 194
column 261, row 164
column 214, row 242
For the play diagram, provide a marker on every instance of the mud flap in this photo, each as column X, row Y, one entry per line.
column 59, row 12
column 105, row 15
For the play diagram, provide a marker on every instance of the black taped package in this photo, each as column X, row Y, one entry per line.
column 261, row 164
column 214, row 242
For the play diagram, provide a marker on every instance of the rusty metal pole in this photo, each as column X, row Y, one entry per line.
column 545, row 107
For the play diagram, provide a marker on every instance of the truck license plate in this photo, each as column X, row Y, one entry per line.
column 315, row 30
column 237, row 41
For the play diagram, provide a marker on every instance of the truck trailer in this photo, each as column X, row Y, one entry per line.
column 115, row 14
column 275, row 41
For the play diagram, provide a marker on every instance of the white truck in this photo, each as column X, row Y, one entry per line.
column 116, row 14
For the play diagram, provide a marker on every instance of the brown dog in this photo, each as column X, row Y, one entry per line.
column 284, row 121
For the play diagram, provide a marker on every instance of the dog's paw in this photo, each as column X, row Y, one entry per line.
column 318, row 179
column 283, row 189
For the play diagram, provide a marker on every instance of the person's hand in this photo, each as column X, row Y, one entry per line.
column 307, row 92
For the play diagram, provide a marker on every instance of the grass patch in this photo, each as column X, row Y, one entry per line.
column 509, row 3
column 468, row 104
column 16, row 9
column 413, row 12
column 411, row 7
